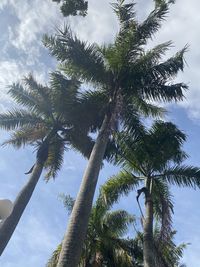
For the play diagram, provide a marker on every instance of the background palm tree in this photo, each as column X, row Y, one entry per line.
column 153, row 159
column 105, row 244
column 128, row 76
column 47, row 121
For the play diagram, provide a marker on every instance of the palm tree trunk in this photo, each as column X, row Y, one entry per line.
column 8, row 226
column 77, row 228
column 148, row 244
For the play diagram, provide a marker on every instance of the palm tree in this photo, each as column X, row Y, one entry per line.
column 128, row 76
column 105, row 244
column 73, row 7
column 48, row 121
column 153, row 159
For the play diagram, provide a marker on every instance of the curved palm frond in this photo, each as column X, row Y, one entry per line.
column 163, row 207
column 80, row 59
column 182, row 176
column 120, row 184
column 55, row 157
column 118, row 220
column 26, row 135
column 15, row 118
column 52, row 262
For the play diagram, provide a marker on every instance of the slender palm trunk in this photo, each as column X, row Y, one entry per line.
column 77, row 228
column 8, row 226
column 148, row 244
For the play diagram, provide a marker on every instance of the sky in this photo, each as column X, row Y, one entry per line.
column 22, row 24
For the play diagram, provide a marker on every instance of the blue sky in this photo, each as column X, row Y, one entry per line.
column 42, row 226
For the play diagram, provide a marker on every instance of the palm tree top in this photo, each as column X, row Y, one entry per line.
column 124, row 64
column 48, row 113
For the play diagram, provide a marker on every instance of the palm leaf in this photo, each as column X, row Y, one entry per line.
column 81, row 60
column 182, row 176
column 16, row 118
column 26, row 135
column 120, row 184
column 55, row 158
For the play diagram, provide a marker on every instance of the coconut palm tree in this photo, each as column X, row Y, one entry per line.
column 48, row 121
column 105, row 244
column 128, row 76
column 153, row 160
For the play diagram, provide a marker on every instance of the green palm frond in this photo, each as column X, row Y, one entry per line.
column 64, row 93
column 153, row 22
column 149, row 109
column 120, row 184
column 119, row 221
column 170, row 67
column 124, row 11
column 182, row 176
column 167, row 253
column 16, row 118
column 153, row 56
column 26, row 135
column 32, row 95
column 163, row 207
column 52, row 262
column 55, row 158
column 80, row 59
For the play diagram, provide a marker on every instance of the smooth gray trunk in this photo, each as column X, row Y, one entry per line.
column 148, row 244
column 8, row 226
column 77, row 228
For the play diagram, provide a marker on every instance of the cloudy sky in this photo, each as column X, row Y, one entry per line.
column 22, row 24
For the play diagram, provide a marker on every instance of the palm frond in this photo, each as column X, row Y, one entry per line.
column 182, row 176
column 153, row 22
column 26, row 135
column 55, row 158
column 32, row 95
column 163, row 207
column 120, row 184
column 124, row 11
column 148, row 109
column 52, row 262
column 80, row 59
column 17, row 118
column 118, row 221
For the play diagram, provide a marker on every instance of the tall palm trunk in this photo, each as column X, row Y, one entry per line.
column 8, row 226
column 77, row 228
column 148, row 244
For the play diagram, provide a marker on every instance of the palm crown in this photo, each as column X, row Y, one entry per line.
column 153, row 158
column 127, row 73
column 49, row 116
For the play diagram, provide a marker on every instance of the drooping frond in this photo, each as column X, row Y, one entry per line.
column 167, row 253
column 163, row 207
column 118, row 221
column 52, row 262
column 182, row 176
column 80, row 59
column 26, row 135
column 120, row 184
column 55, row 158
column 16, row 118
